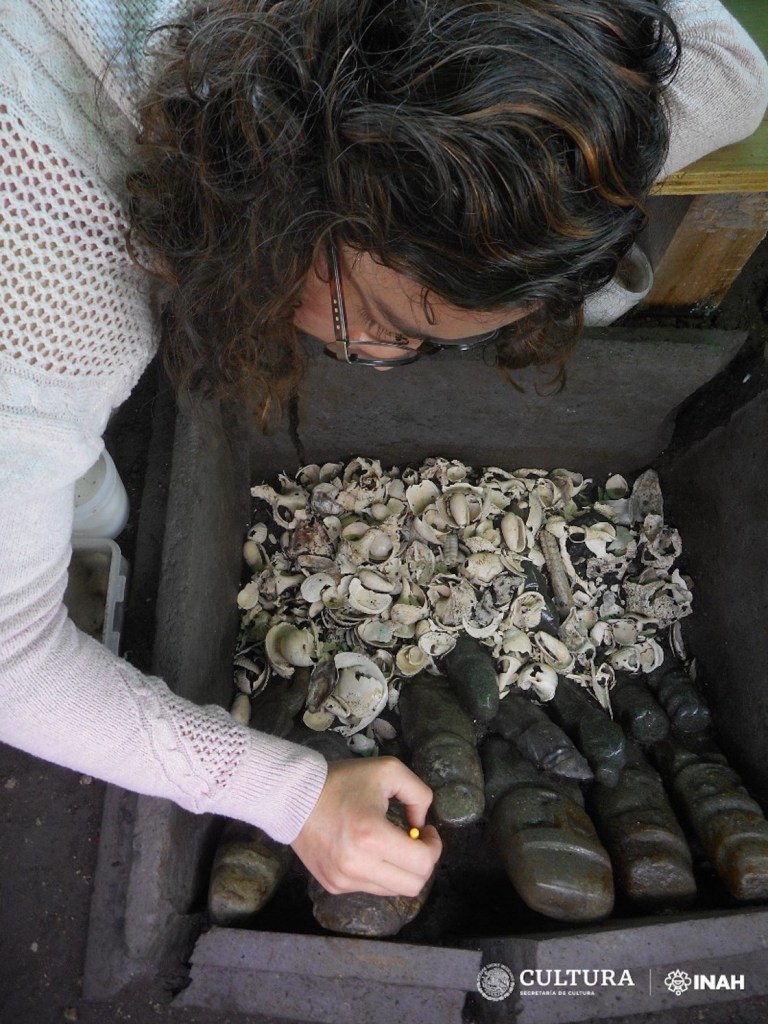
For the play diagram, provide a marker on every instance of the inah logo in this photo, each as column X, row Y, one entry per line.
column 678, row 982
column 495, row 982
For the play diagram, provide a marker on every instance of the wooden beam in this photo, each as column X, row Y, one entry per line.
column 714, row 240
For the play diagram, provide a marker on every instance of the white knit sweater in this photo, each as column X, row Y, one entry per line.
column 75, row 335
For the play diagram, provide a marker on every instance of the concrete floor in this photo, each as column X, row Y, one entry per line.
column 50, row 817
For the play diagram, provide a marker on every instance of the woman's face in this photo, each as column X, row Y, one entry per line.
column 382, row 305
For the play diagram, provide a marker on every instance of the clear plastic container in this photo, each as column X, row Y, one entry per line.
column 101, row 501
column 96, row 589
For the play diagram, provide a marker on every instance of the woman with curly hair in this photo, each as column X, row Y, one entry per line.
column 377, row 176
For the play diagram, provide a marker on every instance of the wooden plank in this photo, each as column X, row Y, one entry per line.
column 742, row 167
column 715, row 239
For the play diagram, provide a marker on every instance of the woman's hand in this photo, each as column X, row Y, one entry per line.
column 348, row 844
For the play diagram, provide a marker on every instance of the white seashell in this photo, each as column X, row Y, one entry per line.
column 420, row 496
column 526, row 610
column 453, row 605
column 535, row 515
column 379, row 545
column 625, row 631
column 458, row 507
column 420, row 562
column 396, row 489
column 362, row 745
column 547, row 492
column 250, row 676
column 479, row 632
column 410, row 606
column 552, row 651
column 426, row 532
column 616, row 487
column 249, row 596
column 625, row 544
column 460, row 504
column 258, row 533
column 602, row 681
column 676, row 642
column 308, row 476
column 575, row 629
column 598, row 536
column 314, row 586
column 318, row 720
column 513, row 563
column 383, row 730
column 287, row 581
column 482, row 567
column 410, row 660
column 506, row 676
column 371, row 602
column 436, row 643
column 241, row 709
column 515, row 641
column 651, row 655
column 287, row 510
column 254, row 554
column 513, row 531
column 379, row 511
column 625, row 659
column 355, row 530
column 601, row 634
column 329, row 471
column 287, row 647
column 323, row 500
column 384, row 661
column 405, row 630
column 376, row 632
column 568, row 483
column 333, row 526
column 540, row 678
column 361, row 690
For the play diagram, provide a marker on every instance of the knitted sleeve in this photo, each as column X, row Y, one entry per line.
column 75, row 334
column 720, row 93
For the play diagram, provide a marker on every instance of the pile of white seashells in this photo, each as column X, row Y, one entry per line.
column 365, row 576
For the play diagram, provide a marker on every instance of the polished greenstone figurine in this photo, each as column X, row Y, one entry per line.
column 441, row 737
column 640, row 714
column 247, row 869
column 598, row 737
column 728, row 823
column 545, row 839
column 471, row 671
column 529, row 728
column 684, row 705
column 635, row 820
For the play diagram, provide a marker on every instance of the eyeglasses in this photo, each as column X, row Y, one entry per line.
column 343, row 349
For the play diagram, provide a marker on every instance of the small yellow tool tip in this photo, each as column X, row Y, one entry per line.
column 414, row 833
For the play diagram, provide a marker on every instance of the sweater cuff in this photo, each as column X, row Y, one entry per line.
column 275, row 786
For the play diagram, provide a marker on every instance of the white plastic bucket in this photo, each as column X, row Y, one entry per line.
column 631, row 284
column 101, row 502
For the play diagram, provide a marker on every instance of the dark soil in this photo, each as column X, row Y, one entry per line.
column 50, row 817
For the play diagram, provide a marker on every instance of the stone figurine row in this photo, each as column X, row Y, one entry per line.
column 576, row 803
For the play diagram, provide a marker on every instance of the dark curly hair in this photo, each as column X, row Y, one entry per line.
column 499, row 152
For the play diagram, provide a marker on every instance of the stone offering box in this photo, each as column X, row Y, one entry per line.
column 617, row 414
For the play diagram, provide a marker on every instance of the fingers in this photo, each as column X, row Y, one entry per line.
column 348, row 843
column 408, row 788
